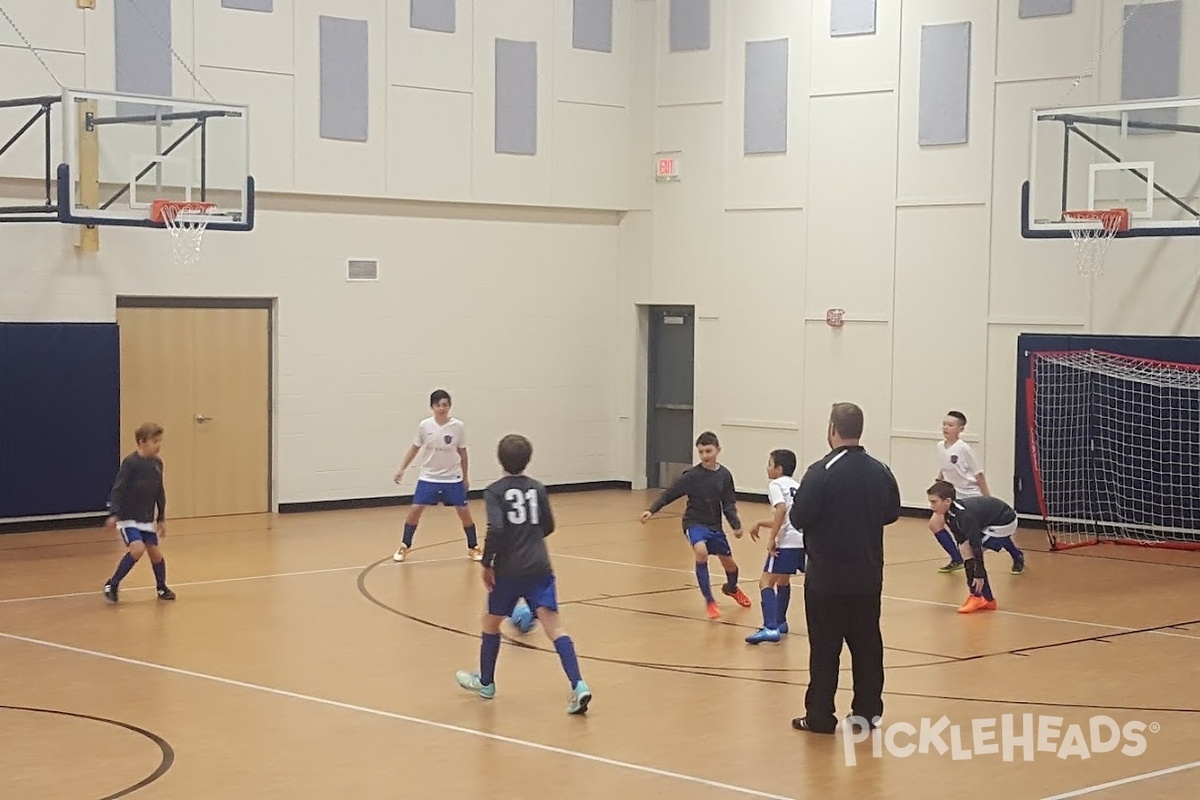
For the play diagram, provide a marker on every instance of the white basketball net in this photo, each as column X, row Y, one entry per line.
column 187, row 225
column 1091, row 244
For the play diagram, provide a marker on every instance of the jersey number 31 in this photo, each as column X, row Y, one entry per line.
column 522, row 506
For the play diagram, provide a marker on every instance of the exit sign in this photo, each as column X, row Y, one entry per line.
column 666, row 167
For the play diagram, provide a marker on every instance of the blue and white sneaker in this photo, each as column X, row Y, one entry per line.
column 581, row 695
column 470, row 681
column 763, row 635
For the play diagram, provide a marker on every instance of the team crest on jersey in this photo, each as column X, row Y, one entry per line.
column 447, row 438
column 953, row 459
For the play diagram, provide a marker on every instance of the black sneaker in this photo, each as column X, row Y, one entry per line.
column 1018, row 567
column 165, row 594
column 110, row 593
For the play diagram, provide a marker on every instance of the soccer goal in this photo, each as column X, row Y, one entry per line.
column 1115, row 448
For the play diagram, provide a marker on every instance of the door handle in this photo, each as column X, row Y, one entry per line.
column 202, row 419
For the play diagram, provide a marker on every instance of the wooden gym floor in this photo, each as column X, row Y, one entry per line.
column 300, row 662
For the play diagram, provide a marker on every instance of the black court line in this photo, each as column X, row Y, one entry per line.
column 1103, row 637
column 598, row 604
column 736, row 673
column 167, row 752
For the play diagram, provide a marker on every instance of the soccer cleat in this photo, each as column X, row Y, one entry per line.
column 951, row 566
column 165, row 594
column 400, row 554
column 110, row 593
column 1018, row 567
column 783, row 628
column 475, row 553
column 975, row 603
column 737, row 594
column 763, row 635
column 470, row 681
column 581, row 695
column 714, row 611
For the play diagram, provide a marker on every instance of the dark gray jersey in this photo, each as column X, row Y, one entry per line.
column 518, row 521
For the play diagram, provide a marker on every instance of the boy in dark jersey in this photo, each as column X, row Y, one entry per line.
column 516, row 565
column 710, row 495
column 136, row 493
column 976, row 523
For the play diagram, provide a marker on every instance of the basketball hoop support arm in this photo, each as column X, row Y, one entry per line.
column 43, row 213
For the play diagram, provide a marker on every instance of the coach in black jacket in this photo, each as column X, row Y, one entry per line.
column 843, row 503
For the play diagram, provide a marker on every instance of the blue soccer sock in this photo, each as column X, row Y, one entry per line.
column 770, row 608
column 489, row 651
column 570, row 663
column 123, row 568
column 409, row 532
column 783, row 595
column 472, row 537
column 987, row 589
column 1008, row 544
column 160, row 574
column 704, row 581
column 947, row 542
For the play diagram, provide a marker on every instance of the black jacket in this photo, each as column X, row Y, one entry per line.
column 842, row 506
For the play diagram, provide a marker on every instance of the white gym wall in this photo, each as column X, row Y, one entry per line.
column 551, row 251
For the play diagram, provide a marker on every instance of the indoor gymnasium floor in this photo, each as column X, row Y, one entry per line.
column 300, row 662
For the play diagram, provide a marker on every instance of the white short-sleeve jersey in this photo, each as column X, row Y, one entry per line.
column 440, row 459
column 783, row 490
column 959, row 467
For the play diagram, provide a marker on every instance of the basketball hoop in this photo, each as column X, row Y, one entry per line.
column 1091, row 243
column 186, row 221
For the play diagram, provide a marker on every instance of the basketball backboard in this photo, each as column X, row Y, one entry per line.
column 123, row 152
column 1142, row 156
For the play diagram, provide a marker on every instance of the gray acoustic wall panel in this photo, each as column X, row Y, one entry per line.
column 345, row 79
column 432, row 15
column 765, row 115
column 944, row 103
column 250, row 5
column 690, row 25
column 1150, row 58
column 592, row 25
column 516, row 97
column 142, row 38
column 1028, row 9
column 851, row 17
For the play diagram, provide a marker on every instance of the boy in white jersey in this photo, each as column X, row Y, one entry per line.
column 959, row 468
column 443, row 440
column 785, row 548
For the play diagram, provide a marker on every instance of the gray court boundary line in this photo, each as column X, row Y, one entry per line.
column 1145, row 776
column 1103, row 625
column 445, row 726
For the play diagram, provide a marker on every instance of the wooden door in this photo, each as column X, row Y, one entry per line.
column 157, row 385
column 203, row 373
column 231, row 360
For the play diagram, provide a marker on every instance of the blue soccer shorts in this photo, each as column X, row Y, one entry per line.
column 715, row 541
column 130, row 534
column 430, row 493
column 538, row 592
column 787, row 561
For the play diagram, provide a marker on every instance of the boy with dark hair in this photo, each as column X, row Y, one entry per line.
column 708, row 487
column 136, row 493
column 976, row 523
column 443, row 473
column 785, row 548
column 516, row 565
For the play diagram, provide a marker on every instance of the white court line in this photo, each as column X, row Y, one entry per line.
column 219, row 580
column 404, row 718
column 913, row 600
column 1099, row 787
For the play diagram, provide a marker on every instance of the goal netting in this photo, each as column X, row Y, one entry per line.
column 1115, row 446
